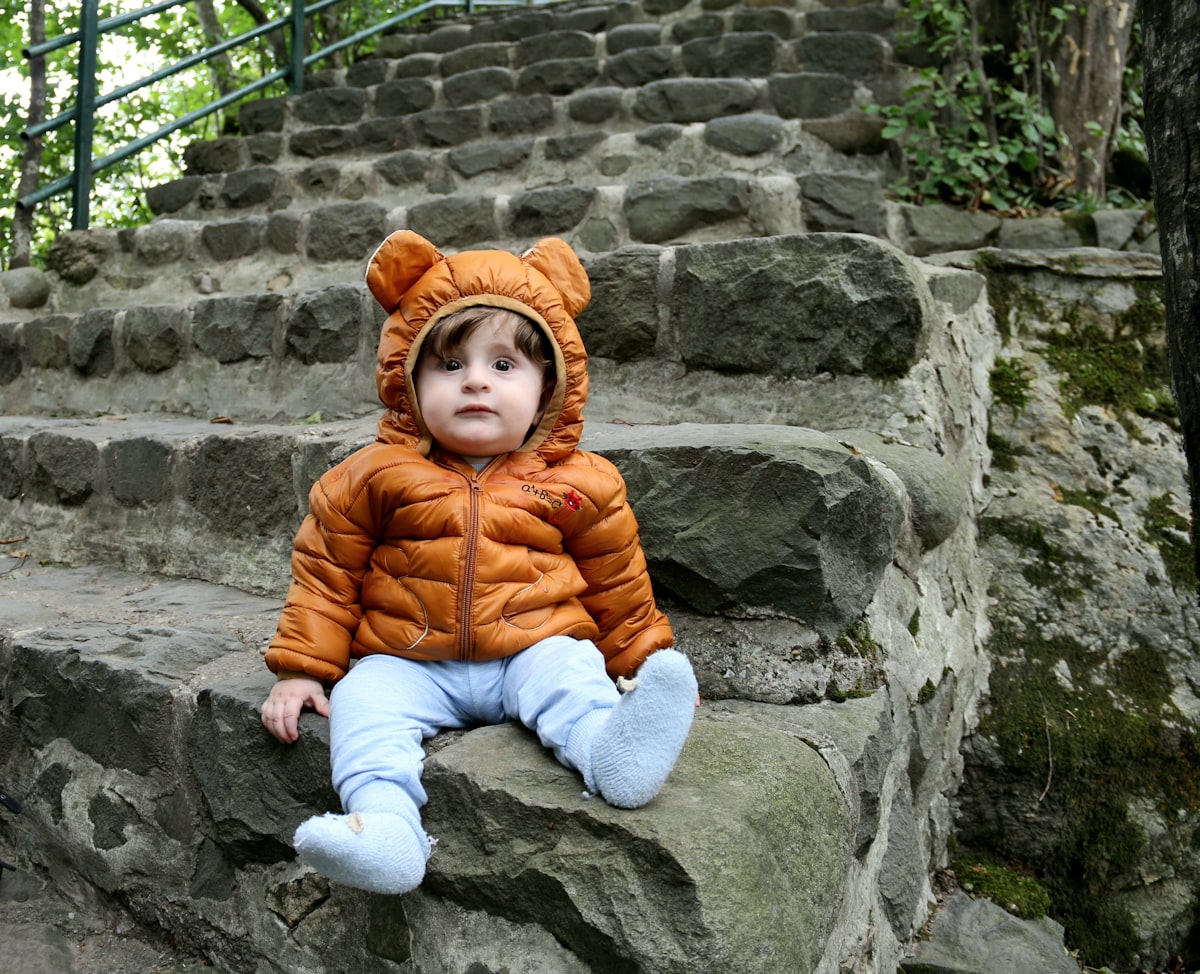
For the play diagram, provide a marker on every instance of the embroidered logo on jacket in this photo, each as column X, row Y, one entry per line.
column 562, row 507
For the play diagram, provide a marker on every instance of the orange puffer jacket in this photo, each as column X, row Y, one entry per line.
column 407, row 550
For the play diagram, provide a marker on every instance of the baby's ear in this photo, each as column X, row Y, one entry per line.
column 560, row 265
column 397, row 265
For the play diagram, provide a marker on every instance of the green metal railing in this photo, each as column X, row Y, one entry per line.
column 87, row 101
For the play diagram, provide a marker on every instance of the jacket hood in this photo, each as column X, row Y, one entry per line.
column 416, row 286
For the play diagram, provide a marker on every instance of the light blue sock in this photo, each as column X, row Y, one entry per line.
column 379, row 846
column 375, row 851
column 636, row 744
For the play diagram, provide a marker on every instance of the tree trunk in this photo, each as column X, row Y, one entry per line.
column 1172, row 99
column 31, row 156
column 1086, row 99
column 220, row 66
column 275, row 38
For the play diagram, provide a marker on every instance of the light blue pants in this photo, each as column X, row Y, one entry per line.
column 383, row 709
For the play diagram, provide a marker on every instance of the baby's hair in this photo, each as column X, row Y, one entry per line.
column 453, row 331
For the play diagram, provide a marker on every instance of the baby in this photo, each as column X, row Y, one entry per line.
column 473, row 562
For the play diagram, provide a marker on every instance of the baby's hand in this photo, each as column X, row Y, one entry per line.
column 281, row 711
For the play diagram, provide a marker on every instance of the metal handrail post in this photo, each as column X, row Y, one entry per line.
column 296, row 81
column 85, row 112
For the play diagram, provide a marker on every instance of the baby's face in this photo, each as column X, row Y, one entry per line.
column 482, row 398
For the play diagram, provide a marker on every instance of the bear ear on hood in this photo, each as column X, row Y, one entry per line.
column 397, row 265
column 561, row 267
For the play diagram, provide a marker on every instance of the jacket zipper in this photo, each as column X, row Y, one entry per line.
column 466, row 626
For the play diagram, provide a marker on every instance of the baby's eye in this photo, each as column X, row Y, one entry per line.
column 503, row 365
column 451, row 365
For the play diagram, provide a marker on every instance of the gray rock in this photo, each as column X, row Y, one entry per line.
column 233, row 239
column 852, row 53
column 640, row 66
column 565, row 147
column 552, row 211
column 153, row 337
column 521, row 24
column 235, row 328
column 91, row 342
column 401, row 168
column 10, row 352
column 330, row 140
column 786, row 310
column 554, row 46
column 164, row 242
column 731, row 55
column 251, row 187
column 478, row 84
column 448, row 126
column 174, row 195
column 771, row 20
column 694, row 99
column 834, row 521
column 936, row 492
column 449, row 37
column 935, row 229
column 455, row 221
column 346, row 231
column 746, row 135
column 560, row 76
column 476, row 57
column 330, row 106
column 658, row 210
column 850, row 136
column 62, row 469
column 770, row 903
column 690, row 28
column 404, row 96
column 325, row 324
column 532, row 113
column 479, row 157
column 139, row 470
column 225, row 154
column 626, row 36
column 843, row 203
column 810, row 95
column 77, row 255
column 262, row 115
column 977, row 937
column 622, row 320
column 47, row 342
column 595, row 106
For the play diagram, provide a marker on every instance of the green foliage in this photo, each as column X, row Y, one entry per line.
column 976, row 129
column 129, row 54
column 975, row 134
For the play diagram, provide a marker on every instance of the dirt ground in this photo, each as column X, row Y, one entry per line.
column 42, row 933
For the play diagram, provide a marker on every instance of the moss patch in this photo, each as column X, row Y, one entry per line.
column 1090, row 500
column 1005, row 453
column 1124, row 368
column 1171, row 533
column 1011, row 382
column 1088, row 749
column 1047, row 567
column 1009, row 887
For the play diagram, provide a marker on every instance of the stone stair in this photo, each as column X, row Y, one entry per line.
column 797, row 403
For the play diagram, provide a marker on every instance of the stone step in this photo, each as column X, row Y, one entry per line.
column 292, row 250
column 750, row 143
column 856, row 309
column 148, row 780
column 832, row 513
